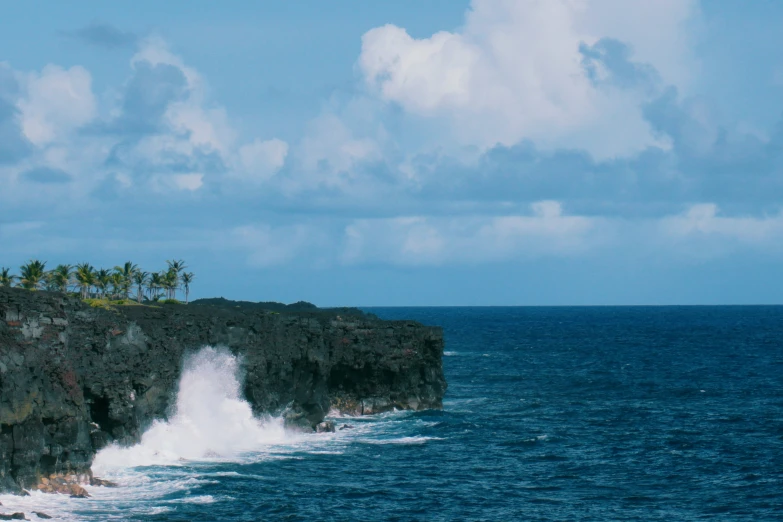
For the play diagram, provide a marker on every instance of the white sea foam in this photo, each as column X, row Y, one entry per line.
column 450, row 353
column 211, row 422
column 56, row 506
column 200, row 499
column 403, row 440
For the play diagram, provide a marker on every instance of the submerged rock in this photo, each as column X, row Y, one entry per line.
column 78, row 492
column 325, row 427
column 13, row 516
column 42, row 515
column 100, row 482
column 66, row 484
column 74, row 378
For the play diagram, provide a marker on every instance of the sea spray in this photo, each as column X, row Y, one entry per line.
column 211, row 420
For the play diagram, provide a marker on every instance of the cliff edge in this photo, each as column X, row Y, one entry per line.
column 74, row 378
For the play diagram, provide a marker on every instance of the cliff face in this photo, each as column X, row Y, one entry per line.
column 74, row 378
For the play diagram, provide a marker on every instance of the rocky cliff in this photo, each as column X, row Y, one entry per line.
column 74, row 378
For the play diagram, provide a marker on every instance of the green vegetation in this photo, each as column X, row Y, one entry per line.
column 123, row 285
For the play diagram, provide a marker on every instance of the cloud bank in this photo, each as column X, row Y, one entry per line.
column 537, row 130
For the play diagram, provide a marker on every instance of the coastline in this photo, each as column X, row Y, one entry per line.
column 76, row 378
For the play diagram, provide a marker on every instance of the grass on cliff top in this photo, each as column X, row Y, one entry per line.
column 108, row 303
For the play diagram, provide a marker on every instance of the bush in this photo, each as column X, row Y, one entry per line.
column 97, row 303
column 171, row 301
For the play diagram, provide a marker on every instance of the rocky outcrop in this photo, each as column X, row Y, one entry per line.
column 74, row 378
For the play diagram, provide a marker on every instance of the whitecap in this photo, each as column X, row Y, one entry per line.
column 199, row 499
column 402, row 440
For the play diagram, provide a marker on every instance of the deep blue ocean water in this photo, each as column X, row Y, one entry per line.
column 605, row 413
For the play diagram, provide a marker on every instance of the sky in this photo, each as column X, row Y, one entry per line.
column 491, row 152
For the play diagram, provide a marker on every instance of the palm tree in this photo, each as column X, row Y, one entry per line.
column 156, row 281
column 175, row 267
column 126, row 271
column 102, row 281
column 187, row 278
column 85, row 278
column 49, row 283
column 118, row 285
column 140, row 279
column 6, row 278
column 33, row 274
column 170, row 283
column 60, row 278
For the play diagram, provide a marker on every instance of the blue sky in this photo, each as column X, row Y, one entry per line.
column 494, row 152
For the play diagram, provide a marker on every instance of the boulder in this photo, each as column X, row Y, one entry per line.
column 94, row 481
column 325, row 427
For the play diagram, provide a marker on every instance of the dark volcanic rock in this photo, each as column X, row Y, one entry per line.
column 299, row 308
column 325, row 427
column 74, row 378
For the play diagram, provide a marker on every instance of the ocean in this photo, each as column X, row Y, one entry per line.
column 562, row 413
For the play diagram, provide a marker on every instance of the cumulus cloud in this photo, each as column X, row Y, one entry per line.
column 516, row 70
column 262, row 159
column 159, row 132
column 170, row 136
column 332, row 151
column 13, row 144
column 56, row 101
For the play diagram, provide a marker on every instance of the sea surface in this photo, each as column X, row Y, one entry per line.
column 584, row 413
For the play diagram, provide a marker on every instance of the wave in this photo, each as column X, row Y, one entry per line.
column 403, row 440
column 211, row 422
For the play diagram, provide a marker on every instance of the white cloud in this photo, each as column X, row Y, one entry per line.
column 189, row 182
column 332, row 144
column 700, row 233
column 262, row 159
column 514, row 71
column 191, row 119
column 208, row 129
column 192, row 134
column 55, row 102
column 659, row 31
column 420, row 240
column 155, row 51
column 703, row 222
